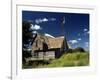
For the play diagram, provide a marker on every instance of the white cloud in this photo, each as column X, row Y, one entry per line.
column 44, row 20
column 41, row 20
column 35, row 27
column 52, row 19
column 34, row 32
column 73, row 41
column 79, row 39
column 37, row 21
column 88, row 32
column 87, row 44
column 49, row 35
column 85, row 30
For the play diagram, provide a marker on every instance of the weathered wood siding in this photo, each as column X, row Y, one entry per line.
column 47, row 54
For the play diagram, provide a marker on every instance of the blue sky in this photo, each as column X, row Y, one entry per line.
column 75, row 26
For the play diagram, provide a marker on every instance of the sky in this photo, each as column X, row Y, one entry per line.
column 74, row 26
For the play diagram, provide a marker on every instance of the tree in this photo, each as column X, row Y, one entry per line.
column 26, row 34
column 79, row 49
column 27, row 37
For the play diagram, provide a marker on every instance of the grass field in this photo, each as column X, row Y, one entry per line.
column 66, row 60
column 71, row 59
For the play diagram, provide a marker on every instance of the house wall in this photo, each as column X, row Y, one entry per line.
column 45, row 55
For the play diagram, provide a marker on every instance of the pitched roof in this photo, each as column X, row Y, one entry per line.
column 56, row 42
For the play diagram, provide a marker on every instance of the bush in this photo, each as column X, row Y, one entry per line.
column 79, row 49
column 70, row 51
column 25, row 54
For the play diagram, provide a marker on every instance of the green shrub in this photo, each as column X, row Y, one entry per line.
column 76, row 59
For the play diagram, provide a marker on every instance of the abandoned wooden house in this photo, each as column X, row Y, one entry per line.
column 48, row 47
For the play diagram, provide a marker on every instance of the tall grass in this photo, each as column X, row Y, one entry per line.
column 66, row 60
column 71, row 59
